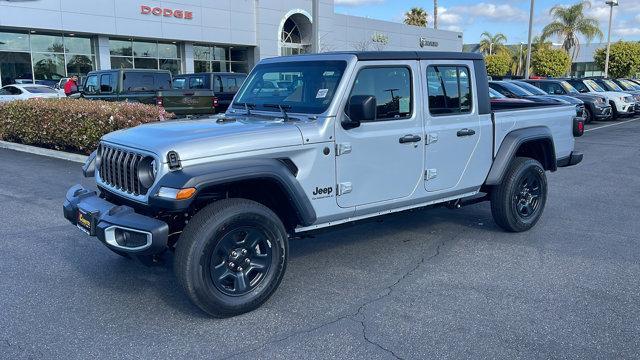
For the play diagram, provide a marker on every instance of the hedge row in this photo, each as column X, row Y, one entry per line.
column 74, row 125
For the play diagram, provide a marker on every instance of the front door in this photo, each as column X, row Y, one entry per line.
column 453, row 125
column 381, row 159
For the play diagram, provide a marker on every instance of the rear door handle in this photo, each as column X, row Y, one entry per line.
column 410, row 139
column 466, row 132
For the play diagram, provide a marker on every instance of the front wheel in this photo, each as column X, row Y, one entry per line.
column 518, row 202
column 588, row 115
column 231, row 257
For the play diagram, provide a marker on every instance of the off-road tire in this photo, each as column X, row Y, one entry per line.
column 506, row 197
column 200, row 243
column 589, row 115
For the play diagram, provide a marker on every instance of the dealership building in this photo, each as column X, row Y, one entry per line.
column 45, row 40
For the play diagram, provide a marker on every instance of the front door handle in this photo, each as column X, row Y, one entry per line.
column 466, row 132
column 410, row 139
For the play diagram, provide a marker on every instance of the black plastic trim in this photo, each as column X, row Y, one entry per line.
column 482, row 87
column 204, row 176
column 574, row 158
column 509, row 147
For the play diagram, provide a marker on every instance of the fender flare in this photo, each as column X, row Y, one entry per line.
column 204, row 176
column 510, row 145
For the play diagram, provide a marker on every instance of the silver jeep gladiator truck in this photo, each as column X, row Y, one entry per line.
column 310, row 142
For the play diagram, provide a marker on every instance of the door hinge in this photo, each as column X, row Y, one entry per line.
column 430, row 174
column 344, row 188
column 343, row 148
column 431, row 138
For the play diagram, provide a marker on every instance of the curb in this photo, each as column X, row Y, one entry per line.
column 44, row 152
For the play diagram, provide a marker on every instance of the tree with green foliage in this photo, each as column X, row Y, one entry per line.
column 498, row 64
column 569, row 24
column 492, row 44
column 550, row 62
column 417, row 16
column 624, row 59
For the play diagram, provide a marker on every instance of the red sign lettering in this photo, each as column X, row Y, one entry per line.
column 166, row 12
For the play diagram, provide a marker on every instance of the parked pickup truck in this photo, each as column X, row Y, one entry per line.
column 201, row 93
column 344, row 137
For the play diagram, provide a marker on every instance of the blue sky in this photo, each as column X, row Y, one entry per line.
column 509, row 17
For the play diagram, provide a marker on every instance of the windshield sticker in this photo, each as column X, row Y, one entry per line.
column 404, row 105
column 322, row 93
column 328, row 73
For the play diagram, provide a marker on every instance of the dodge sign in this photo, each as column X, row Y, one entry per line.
column 166, row 12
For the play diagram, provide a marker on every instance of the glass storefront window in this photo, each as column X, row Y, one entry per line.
column 77, row 45
column 201, row 66
column 168, row 51
column 79, row 65
column 211, row 58
column 46, row 43
column 219, row 53
column 14, row 41
column 120, row 48
column 48, row 67
column 145, row 49
column 121, row 63
column 201, row 52
column 145, row 63
column 171, row 65
column 14, row 66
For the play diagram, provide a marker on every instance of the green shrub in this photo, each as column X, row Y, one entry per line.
column 550, row 62
column 74, row 125
column 624, row 59
column 498, row 64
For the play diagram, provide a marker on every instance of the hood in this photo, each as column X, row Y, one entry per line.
column 611, row 95
column 570, row 99
column 211, row 136
column 546, row 98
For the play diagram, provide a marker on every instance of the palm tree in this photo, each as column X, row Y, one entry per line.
column 491, row 44
column 417, row 16
column 435, row 14
column 569, row 23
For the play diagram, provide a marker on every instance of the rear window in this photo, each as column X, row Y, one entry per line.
column 141, row 81
column 179, row 83
column 39, row 90
column 449, row 90
column 196, row 82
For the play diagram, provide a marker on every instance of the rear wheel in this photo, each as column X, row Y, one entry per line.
column 518, row 202
column 231, row 257
column 588, row 117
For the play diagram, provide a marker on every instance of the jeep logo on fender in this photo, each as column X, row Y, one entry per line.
column 322, row 192
column 166, row 12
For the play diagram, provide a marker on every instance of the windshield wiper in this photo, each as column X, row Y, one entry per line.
column 282, row 109
column 247, row 106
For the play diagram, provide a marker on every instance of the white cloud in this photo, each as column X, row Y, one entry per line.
column 446, row 17
column 503, row 12
column 627, row 31
column 357, row 2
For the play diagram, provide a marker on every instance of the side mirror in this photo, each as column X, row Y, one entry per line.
column 80, row 88
column 360, row 108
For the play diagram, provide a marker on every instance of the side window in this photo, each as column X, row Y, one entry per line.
column 391, row 86
column 449, row 89
column 240, row 80
column 12, row 90
column 230, row 84
column 91, row 85
column 105, row 83
column 196, row 82
column 179, row 83
column 555, row 89
column 163, row 82
column 217, row 84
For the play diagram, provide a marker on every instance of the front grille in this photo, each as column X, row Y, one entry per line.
column 628, row 99
column 119, row 169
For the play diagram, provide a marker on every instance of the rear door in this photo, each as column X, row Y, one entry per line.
column 138, row 86
column 453, row 125
column 374, row 163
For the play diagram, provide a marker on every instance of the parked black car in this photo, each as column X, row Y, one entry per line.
column 596, row 106
column 512, row 90
column 580, row 107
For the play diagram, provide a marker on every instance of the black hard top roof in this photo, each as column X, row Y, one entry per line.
column 213, row 73
column 409, row 55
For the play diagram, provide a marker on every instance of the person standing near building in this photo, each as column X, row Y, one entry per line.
column 71, row 86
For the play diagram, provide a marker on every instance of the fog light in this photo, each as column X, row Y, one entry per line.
column 130, row 239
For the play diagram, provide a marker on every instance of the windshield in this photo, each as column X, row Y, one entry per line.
column 515, row 89
column 299, row 87
column 629, row 85
column 593, row 86
column 611, row 85
column 530, row 88
column 568, row 88
column 495, row 95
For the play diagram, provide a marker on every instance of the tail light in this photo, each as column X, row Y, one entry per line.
column 578, row 127
column 160, row 101
column 214, row 102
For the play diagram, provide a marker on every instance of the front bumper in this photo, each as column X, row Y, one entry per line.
column 118, row 227
column 602, row 112
column 574, row 158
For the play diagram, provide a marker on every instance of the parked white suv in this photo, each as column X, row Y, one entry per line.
column 622, row 104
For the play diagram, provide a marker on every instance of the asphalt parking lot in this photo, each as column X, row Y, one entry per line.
column 433, row 283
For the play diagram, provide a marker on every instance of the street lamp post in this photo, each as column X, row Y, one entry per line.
column 611, row 4
column 528, row 62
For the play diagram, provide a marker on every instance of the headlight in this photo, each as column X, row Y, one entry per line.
column 601, row 101
column 147, row 171
column 637, row 97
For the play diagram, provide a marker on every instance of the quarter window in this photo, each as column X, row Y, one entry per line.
column 391, row 86
column 449, row 89
column 105, row 83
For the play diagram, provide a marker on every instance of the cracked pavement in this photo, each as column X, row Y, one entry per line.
column 434, row 283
